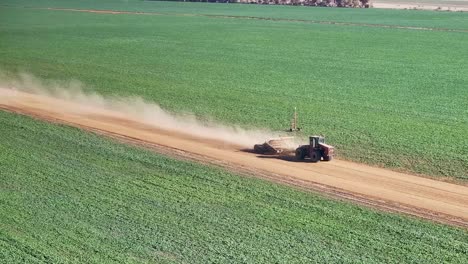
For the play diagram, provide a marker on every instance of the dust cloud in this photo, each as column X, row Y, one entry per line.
column 81, row 102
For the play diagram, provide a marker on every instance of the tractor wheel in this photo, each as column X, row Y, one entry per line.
column 327, row 158
column 315, row 156
column 300, row 154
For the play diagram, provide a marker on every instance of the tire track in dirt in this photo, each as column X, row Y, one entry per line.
column 321, row 22
column 375, row 187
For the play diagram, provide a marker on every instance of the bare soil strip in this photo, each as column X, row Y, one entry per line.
column 114, row 12
column 421, row 5
column 383, row 189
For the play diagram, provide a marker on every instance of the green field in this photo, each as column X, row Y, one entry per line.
column 71, row 196
column 351, row 15
column 384, row 96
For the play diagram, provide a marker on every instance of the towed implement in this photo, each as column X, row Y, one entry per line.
column 281, row 145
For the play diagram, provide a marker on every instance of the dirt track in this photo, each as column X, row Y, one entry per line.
column 422, row 5
column 384, row 189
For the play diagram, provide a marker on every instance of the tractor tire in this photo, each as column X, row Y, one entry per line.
column 300, row 154
column 315, row 156
column 327, row 158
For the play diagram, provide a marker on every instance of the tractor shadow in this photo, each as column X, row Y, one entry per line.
column 285, row 157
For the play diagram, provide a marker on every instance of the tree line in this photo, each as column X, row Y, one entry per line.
column 325, row 3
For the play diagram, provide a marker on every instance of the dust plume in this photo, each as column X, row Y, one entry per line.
column 136, row 109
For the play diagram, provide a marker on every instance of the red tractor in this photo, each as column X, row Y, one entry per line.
column 316, row 150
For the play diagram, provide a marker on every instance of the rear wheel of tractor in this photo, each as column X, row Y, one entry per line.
column 300, row 154
column 315, row 156
column 327, row 158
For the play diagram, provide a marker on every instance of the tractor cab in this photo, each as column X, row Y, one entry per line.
column 315, row 141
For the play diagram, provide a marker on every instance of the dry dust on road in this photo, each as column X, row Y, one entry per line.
column 376, row 187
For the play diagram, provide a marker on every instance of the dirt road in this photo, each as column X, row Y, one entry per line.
column 385, row 189
column 455, row 6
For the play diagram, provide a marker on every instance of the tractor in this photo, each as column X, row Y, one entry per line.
column 316, row 150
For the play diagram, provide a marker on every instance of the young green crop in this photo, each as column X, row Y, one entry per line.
column 389, row 97
column 412, row 18
column 72, row 196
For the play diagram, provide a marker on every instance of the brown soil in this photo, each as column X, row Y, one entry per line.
column 376, row 187
column 421, row 5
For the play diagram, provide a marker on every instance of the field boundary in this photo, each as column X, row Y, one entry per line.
column 305, row 21
column 420, row 5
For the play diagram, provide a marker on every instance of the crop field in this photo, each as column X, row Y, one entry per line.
column 72, row 196
column 386, row 87
column 335, row 15
column 392, row 97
